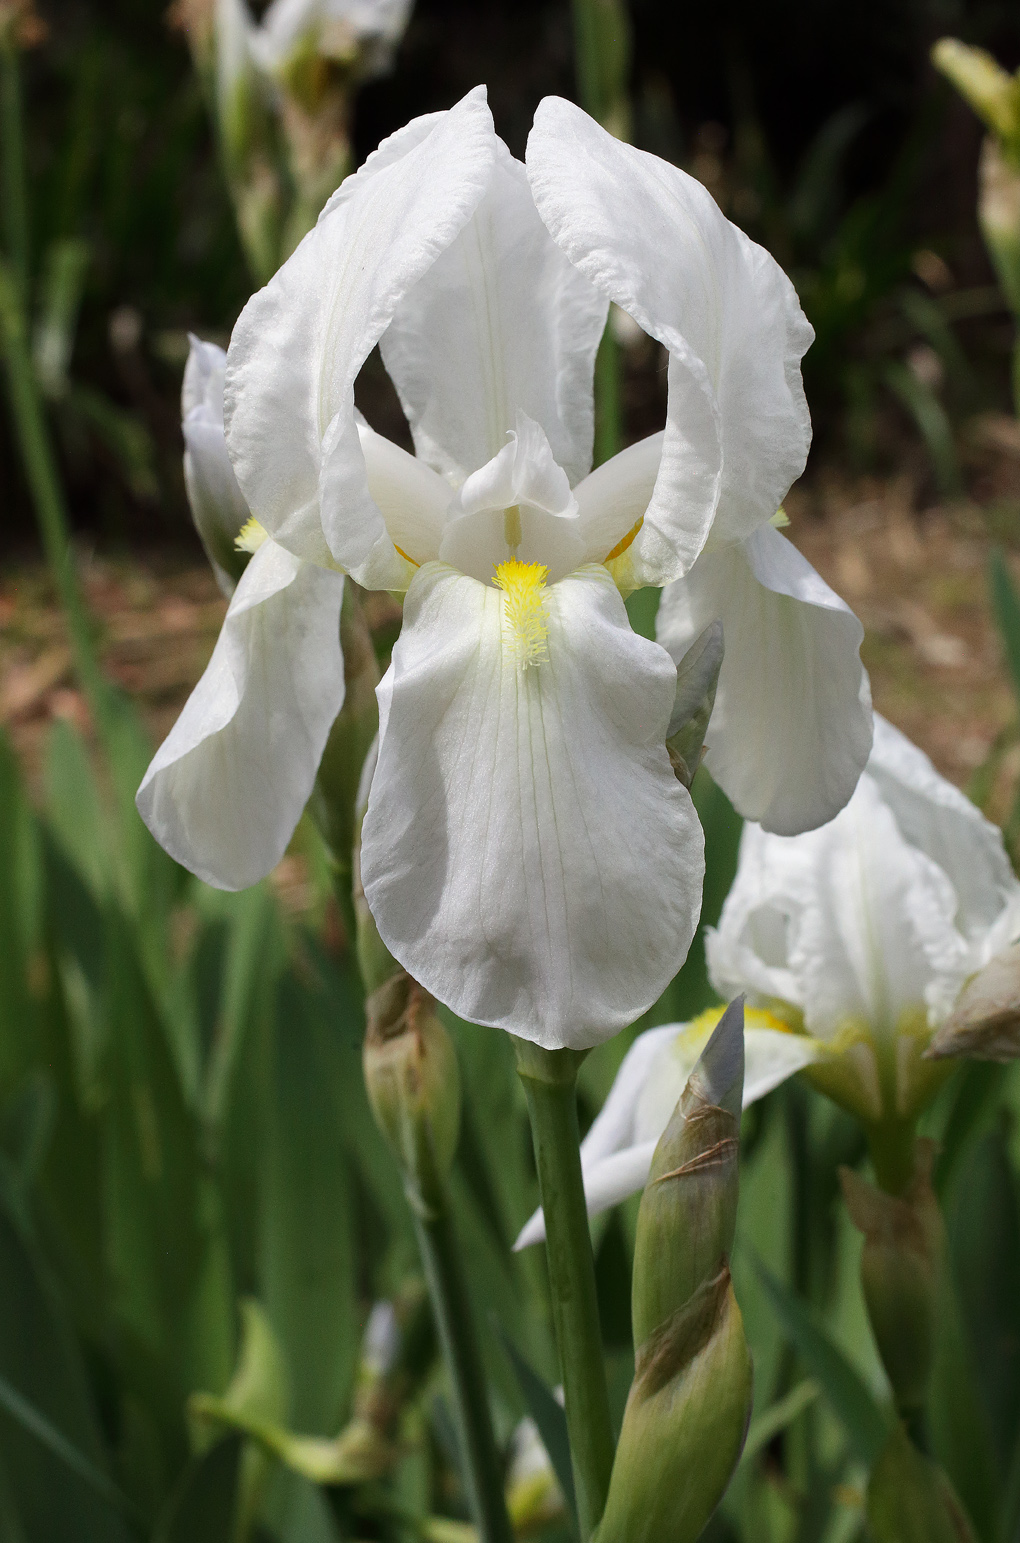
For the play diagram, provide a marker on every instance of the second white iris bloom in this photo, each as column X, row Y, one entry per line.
column 527, row 853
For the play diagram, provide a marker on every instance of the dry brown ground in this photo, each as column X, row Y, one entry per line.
column 916, row 577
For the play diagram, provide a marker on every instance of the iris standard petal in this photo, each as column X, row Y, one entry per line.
column 500, row 324
column 935, row 816
column 299, row 343
column 228, row 784
column 611, row 501
column 792, row 724
column 850, row 923
column 877, row 931
column 653, row 239
column 527, row 853
column 217, row 503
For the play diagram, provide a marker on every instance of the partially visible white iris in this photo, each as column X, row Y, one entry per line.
column 861, row 934
column 527, row 853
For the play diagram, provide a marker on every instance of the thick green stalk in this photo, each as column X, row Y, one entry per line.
column 891, row 1147
column 549, row 1078
column 440, row 1256
column 608, row 415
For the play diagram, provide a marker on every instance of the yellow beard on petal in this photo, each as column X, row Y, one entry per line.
column 525, row 627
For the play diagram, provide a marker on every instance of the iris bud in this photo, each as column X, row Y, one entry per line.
column 910, row 1500
column 413, row 1084
column 689, row 1404
column 901, row 1269
column 697, row 676
column 985, row 1023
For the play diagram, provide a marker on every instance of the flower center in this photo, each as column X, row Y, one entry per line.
column 525, row 627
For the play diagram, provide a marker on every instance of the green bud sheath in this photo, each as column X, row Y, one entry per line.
column 697, row 676
column 689, row 1404
column 910, row 1500
column 985, row 1023
column 999, row 215
column 413, row 1083
column 901, row 1272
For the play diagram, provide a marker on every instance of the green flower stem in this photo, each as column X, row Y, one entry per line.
column 608, row 430
column 602, row 70
column 549, row 1078
column 891, row 1145
column 441, row 1259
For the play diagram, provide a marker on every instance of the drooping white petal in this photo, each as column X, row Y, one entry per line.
column 217, row 503
column 613, row 1127
column 300, row 342
column 527, row 853
column 228, row 784
column 935, row 816
column 792, row 724
column 523, row 476
column 616, row 1154
column 653, row 239
column 501, row 323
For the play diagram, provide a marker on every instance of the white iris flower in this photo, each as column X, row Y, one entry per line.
column 863, row 933
column 527, row 853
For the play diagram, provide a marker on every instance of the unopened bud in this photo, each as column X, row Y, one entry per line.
column 985, row 1023
column 990, row 90
column 999, row 214
column 901, row 1272
column 689, row 1404
column 413, row 1084
column 697, row 676
column 910, row 1500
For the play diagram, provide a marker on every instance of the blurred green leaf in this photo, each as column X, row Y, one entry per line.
column 550, row 1419
column 308, row 1238
column 20, row 886
column 74, row 807
column 47, row 1412
column 1006, row 609
column 865, row 1422
column 766, row 1426
column 932, row 421
column 202, row 1507
column 984, row 1231
column 37, row 1425
column 958, row 1423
